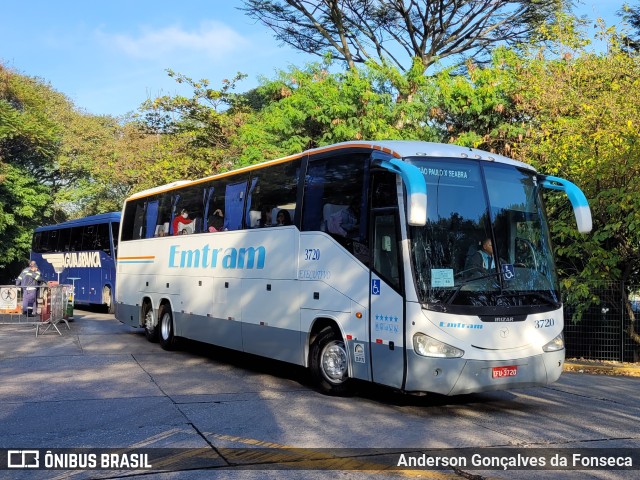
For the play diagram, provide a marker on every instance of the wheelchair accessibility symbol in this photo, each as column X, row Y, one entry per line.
column 508, row 272
column 375, row 286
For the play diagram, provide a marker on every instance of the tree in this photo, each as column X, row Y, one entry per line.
column 194, row 134
column 28, row 143
column 567, row 111
column 312, row 107
column 55, row 162
column 24, row 203
column 478, row 107
column 631, row 15
column 584, row 127
column 61, row 147
column 394, row 32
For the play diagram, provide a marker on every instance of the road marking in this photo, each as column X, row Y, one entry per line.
column 315, row 458
column 264, row 453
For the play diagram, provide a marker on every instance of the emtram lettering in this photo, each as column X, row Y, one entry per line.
column 207, row 257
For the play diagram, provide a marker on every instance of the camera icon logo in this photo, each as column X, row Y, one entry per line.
column 23, row 459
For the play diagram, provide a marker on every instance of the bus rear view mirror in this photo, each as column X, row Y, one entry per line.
column 416, row 187
column 578, row 200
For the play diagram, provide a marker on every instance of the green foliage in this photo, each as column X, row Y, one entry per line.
column 197, row 130
column 54, row 162
column 311, row 107
column 23, row 204
column 478, row 109
column 552, row 103
column 586, row 127
column 569, row 112
column 28, row 138
column 28, row 144
column 66, row 150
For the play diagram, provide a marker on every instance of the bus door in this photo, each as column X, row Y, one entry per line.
column 386, row 294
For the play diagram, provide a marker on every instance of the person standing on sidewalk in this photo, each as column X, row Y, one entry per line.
column 29, row 279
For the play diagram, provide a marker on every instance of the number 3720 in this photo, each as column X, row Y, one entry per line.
column 312, row 254
column 545, row 322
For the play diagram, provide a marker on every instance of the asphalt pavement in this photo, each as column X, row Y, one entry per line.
column 213, row 413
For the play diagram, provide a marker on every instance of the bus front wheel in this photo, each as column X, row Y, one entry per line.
column 150, row 326
column 329, row 363
column 167, row 338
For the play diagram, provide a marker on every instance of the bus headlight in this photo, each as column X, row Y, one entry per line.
column 555, row 344
column 430, row 347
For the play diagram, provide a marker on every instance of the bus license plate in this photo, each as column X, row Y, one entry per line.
column 501, row 372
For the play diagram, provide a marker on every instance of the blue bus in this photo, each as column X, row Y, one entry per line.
column 81, row 253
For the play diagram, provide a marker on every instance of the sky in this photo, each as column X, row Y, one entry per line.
column 110, row 56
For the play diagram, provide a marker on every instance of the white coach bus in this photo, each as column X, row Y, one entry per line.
column 361, row 260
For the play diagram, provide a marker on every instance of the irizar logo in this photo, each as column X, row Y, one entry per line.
column 208, row 257
column 74, row 259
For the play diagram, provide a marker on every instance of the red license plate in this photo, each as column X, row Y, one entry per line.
column 501, row 372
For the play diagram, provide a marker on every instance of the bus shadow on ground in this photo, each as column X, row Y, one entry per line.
column 360, row 389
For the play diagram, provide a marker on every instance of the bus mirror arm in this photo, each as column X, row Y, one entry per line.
column 578, row 200
column 416, row 189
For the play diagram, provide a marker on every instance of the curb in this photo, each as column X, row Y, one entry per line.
column 602, row 368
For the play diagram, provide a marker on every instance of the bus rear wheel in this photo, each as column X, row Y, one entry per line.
column 329, row 363
column 150, row 326
column 167, row 337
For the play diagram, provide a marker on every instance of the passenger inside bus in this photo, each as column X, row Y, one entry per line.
column 266, row 218
column 283, row 218
column 345, row 222
column 216, row 222
column 181, row 221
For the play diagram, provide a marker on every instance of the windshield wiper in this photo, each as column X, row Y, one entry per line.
column 467, row 282
column 545, row 297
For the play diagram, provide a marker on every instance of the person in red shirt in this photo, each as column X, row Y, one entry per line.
column 183, row 219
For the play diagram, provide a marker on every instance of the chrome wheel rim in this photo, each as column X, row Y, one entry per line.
column 148, row 320
column 165, row 327
column 334, row 362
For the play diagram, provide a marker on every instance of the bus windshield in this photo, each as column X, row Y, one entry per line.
column 485, row 242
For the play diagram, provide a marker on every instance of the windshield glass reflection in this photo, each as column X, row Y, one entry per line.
column 486, row 241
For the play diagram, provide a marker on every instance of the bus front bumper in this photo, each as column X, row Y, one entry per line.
column 457, row 376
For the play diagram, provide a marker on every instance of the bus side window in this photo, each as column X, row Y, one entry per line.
column 44, row 242
column 52, row 241
column 102, row 238
column 213, row 205
column 335, row 201
column 272, row 189
column 384, row 190
column 385, row 249
column 114, row 234
column 64, row 239
column 76, row 239
column 138, row 223
column 188, row 199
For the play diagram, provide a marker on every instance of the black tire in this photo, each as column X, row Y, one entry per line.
column 329, row 364
column 149, row 323
column 165, row 326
